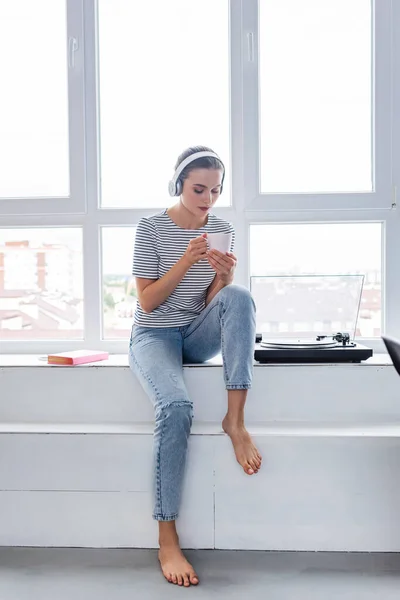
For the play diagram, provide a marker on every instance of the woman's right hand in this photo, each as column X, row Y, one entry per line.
column 196, row 250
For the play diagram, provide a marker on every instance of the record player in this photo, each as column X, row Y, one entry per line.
column 308, row 319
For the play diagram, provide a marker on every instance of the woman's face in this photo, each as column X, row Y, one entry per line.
column 201, row 190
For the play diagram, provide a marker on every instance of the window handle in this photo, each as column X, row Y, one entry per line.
column 72, row 48
column 250, row 46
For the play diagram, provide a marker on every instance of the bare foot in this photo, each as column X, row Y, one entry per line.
column 176, row 569
column 246, row 453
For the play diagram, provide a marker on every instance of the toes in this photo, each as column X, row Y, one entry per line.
column 254, row 465
column 186, row 581
column 180, row 580
column 167, row 575
column 174, row 578
column 257, row 458
column 193, row 578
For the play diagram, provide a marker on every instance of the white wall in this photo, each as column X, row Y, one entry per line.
column 75, row 459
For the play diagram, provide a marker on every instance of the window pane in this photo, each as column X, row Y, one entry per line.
column 164, row 86
column 41, row 284
column 315, row 96
column 34, row 99
column 119, row 290
column 324, row 249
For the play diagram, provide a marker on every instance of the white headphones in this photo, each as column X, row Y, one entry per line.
column 175, row 185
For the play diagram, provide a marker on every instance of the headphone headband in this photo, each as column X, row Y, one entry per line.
column 173, row 187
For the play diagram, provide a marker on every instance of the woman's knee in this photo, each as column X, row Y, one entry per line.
column 173, row 424
column 175, row 413
column 239, row 295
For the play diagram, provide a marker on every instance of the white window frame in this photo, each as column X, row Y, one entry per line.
column 75, row 202
column 382, row 194
column 248, row 206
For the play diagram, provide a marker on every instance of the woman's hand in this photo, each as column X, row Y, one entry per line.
column 196, row 250
column 223, row 264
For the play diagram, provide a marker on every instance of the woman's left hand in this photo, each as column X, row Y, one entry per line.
column 223, row 264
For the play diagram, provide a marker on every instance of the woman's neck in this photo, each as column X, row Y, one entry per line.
column 184, row 219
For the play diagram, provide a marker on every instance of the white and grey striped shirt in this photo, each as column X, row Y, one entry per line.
column 159, row 244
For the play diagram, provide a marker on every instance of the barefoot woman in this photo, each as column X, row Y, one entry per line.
column 188, row 311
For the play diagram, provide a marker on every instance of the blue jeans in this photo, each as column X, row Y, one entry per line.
column 156, row 356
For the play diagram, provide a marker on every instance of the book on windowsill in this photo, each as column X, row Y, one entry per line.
column 76, row 357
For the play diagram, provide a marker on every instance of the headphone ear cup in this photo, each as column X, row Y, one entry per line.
column 178, row 187
column 172, row 188
column 222, row 183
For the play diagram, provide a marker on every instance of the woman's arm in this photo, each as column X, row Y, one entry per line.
column 152, row 293
column 224, row 266
column 216, row 286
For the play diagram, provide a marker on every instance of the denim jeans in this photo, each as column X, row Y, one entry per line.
column 156, row 356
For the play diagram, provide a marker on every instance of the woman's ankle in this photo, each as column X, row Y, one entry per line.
column 233, row 421
column 167, row 534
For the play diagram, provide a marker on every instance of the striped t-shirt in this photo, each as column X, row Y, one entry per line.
column 159, row 244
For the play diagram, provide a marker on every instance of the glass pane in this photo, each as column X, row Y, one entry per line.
column 324, row 249
column 41, row 284
column 315, row 96
column 164, row 86
column 119, row 290
column 34, row 99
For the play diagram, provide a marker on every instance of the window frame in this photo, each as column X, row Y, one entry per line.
column 382, row 195
column 75, row 202
column 248, row 206
column 388, row 266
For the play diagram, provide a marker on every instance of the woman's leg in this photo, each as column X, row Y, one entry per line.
column 155, row 356
column 228, row 324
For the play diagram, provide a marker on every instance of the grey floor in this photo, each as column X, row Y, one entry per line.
column 80, row 574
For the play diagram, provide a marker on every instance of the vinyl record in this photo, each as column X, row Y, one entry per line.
column 286, row 343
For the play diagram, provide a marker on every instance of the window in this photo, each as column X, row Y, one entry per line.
column 317, row 105
column 300, row 98
column 315, row 96
column 119, row 289
column 164, row 86
column 41, row 107
column 34, row 117
column 41, row 284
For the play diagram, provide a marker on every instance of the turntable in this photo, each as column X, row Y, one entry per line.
column 298, row 315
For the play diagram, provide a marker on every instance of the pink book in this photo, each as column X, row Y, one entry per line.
column 76, row 357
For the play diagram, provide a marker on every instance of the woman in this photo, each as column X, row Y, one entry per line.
column 188, row 311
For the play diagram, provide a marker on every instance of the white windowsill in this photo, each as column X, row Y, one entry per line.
column 121, row 360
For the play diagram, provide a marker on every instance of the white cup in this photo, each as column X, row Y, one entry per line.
column 219, row 241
